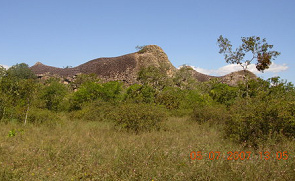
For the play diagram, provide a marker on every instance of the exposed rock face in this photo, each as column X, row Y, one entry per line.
column 233, row 78
column 126, row 67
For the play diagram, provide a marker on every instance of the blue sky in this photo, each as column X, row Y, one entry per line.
column 70, row 32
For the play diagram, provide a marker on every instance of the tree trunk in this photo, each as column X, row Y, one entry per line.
column 27, row 112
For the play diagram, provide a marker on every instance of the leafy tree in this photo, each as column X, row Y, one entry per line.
column 267, row 112
column 155, row 77
column 140, row 48
column 170, row 97
column 53, row 95
column 20, row 71
column 223, row 93
column 183, row 78
column 253, row 88
column 88, row 92
column 2, row 71
column 91, row 91
column 259, row 48
column 140, row 94
column 83, row 78
column 17, row 92
column 111, row 90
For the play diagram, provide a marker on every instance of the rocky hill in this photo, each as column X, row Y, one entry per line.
column 126, row 67
column 231, row 79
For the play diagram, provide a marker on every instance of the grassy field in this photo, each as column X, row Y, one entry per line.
column 80, row 150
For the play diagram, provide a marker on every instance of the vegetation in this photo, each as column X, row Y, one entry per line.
column 164, row 128
column 259, row 49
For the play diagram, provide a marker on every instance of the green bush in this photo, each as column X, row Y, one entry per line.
column 213, row 113
column 42, row 116
column 53, row 95
column 170, row 97
column 88, row 92
column 140, row 94
column 155, row 76
column 254, row 121
column 111, row 91
column 223, row 93
column 192, row 98
column 92, row 91
column 96, row 111
column 139, row 117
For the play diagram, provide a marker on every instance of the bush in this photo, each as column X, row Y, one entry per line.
column 140, row 94
column 170, row 97
column 223, row 93
column 88, row 92
column 111, row 91
column 42, row 116
column 53, row 95
column 254, row 121
column 215, row 114
column 139, row 117
column 96, row 111
column 92, row 91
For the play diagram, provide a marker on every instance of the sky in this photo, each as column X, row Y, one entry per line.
column 71, row 32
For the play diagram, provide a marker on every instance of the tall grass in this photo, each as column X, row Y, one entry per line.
column 79, row 150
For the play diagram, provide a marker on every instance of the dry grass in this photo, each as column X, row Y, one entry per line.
column 77, row 150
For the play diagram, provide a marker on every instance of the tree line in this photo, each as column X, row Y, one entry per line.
column 249, row 113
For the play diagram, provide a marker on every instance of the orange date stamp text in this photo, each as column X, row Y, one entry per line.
column 239, row 155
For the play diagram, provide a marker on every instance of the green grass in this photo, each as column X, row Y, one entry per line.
column 80, row 150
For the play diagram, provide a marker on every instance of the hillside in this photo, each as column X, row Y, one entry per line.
column 126, row 67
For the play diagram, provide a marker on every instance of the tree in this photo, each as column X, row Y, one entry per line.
column 223, row 93
column 140, row 48
column 111, row 90
column 140, row 94
column 21, row 71
column 82, row 79
column 17, row 88
column 53, row 94
column 259, row 48
column 155, row 76
column 2, row 71
column 184, row 79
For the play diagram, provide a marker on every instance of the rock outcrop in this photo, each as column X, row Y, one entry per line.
column 234, row 78
column 126, row 67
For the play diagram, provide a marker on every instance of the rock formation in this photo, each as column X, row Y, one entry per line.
column 126, row 67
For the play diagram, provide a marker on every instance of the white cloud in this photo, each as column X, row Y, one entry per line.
column 274, row 68
column 5, row 66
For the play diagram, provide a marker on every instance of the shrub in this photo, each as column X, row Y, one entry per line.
column 88, row 92
column 213, row 113
column 111, row 91
column 140, row 94
column 223, row 93
column 170, row 97
column 139, row 117
column 155, row 76
column 42, row 116
column 53, row 95
column 92, row 91
column 192, row 98
column 96, row 111
column 254, row 121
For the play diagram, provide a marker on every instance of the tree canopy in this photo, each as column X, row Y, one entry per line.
column 259, row 49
